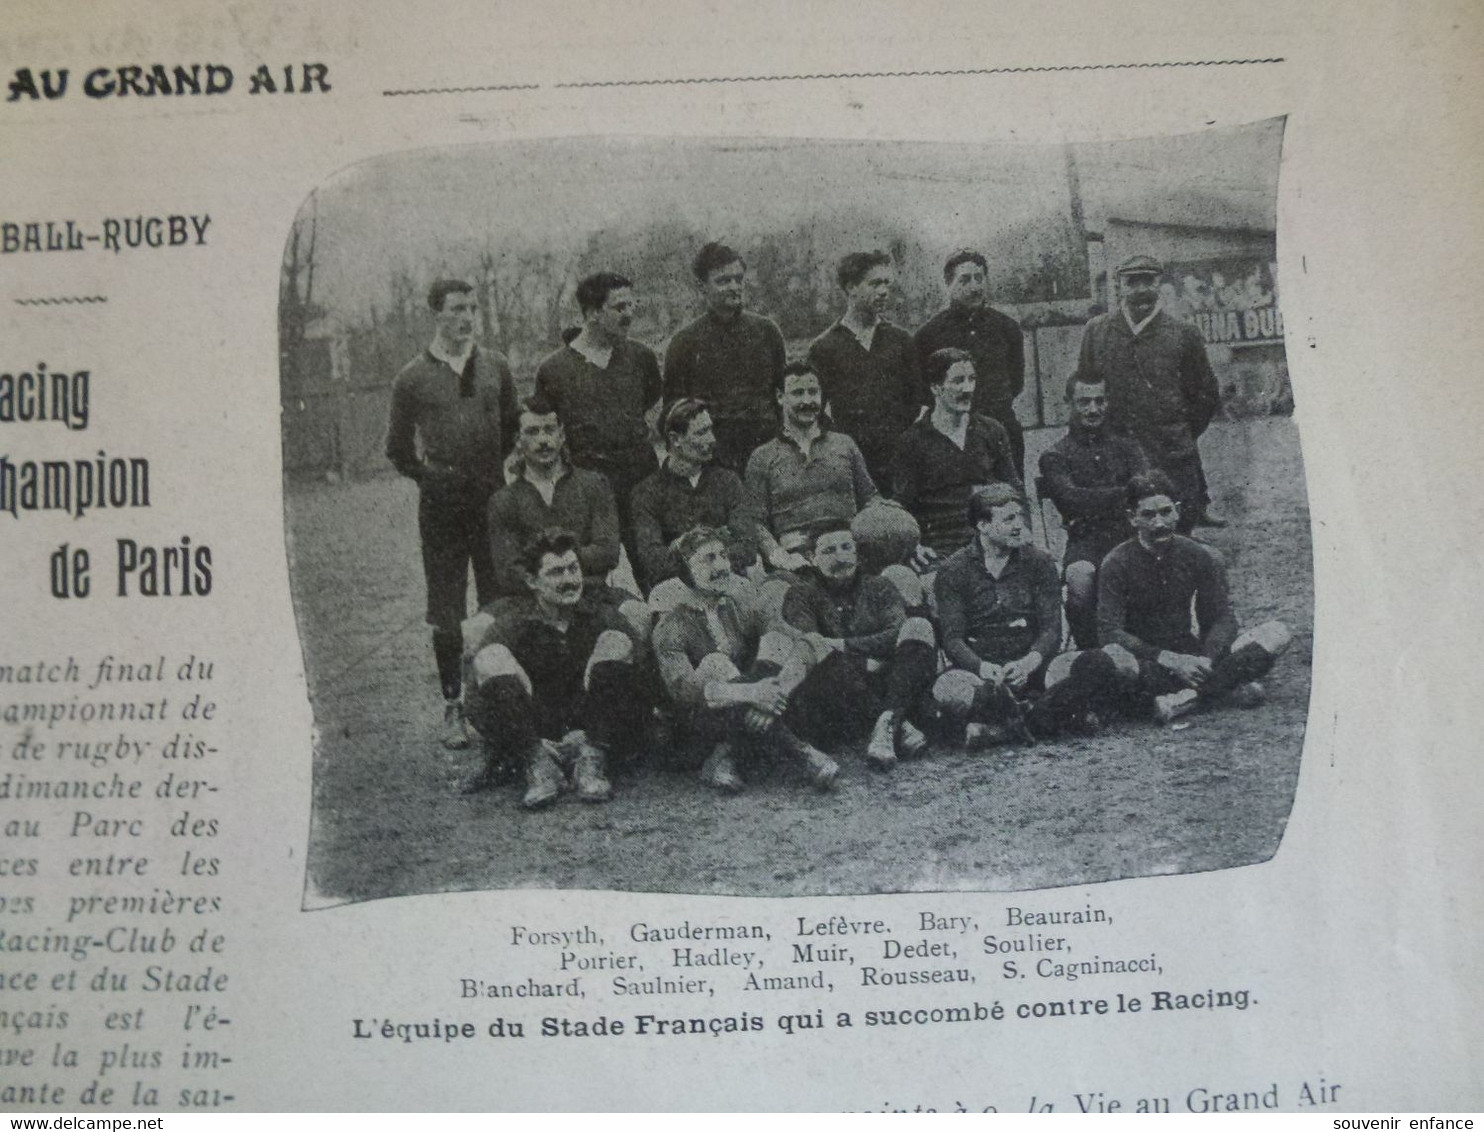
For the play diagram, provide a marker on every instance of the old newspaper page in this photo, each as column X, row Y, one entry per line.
column 1007, row 641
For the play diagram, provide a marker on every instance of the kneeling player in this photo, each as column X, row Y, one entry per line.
column 1146, row 589
column 871, row 659
column 721, row 628
column 555, row 680
column 999, row 614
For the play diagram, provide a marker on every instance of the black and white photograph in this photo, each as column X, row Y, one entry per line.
column 795, row 517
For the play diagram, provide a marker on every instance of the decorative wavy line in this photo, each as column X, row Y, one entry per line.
column 923, row 74
column 461, row 89
column 62, row 300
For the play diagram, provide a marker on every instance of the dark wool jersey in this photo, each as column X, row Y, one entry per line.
column 581, row 503
column 554, row 658
column 457, row 425
column 602, row 410
column 872, row 395
column 984, row 618
column 933, row 477
column 1085, row 475
column 1144, row 600
column 664, row 506
column 993, row 340
column 732, row 365
column 867, row 614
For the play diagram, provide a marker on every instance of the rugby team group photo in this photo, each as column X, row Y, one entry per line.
column 728, row 569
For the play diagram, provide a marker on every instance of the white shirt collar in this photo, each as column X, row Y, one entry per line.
column 864, row 337
column 600, row 356
column 455, row 362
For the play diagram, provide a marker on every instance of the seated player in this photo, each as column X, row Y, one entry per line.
column 1086, row 474
column 705, row 644
column 556, row 681
column 545, row 492
column 805, row 478
column 999, row 619
column 689, row 490
column 1147, row 587
column 872, row 661
column 946, row 454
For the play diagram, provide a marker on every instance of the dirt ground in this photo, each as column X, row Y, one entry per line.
column 1137, row 800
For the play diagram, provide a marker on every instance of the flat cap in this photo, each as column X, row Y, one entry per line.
column 1141, row 265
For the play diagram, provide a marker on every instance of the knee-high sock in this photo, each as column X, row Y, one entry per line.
column 990, row 702
column 1082, row 619
column 502, row 712
column 1091, row 685
column 1250, row 662
column 448, row 652
column 913, row 666
column 615, row 706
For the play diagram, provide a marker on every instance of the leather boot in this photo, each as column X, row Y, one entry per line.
column 881, row 751
column 822, row 770
column 911, row 743
column 455, row 731
column 545, row 778
column 588, row 763
column 719, row 771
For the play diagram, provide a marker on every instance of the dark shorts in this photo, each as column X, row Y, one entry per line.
column 453, row 523
column 1092, row 544
column 736, row 440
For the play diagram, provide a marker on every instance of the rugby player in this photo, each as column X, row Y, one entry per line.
column 729, row 357
column 603, row 384
column 689, row 490
column 807, row 477
column 730, row 666
column 871, row 661
column 992, row 340
column 999, row 618
column 1147, row 588
column 452, row 415
column 941, row 458
column 1086, row 474
column 867, row 367
column 555, row 681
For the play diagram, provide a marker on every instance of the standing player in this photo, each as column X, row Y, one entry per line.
column 1161, row 390
column 992, row 340
column 602, row 384
column 452, row 413
column 729, row 357
column 867, row 367
column 1146, row 590
column 555, row 683
column 1086, row 474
